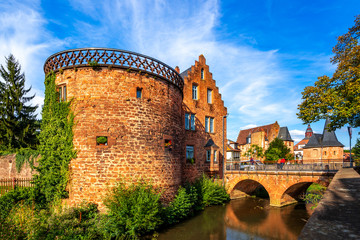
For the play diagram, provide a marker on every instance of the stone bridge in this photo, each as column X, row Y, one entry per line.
column 283, row 187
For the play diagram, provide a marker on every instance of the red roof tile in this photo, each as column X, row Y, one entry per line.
column 243, row 134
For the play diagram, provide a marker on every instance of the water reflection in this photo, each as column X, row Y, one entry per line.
column 246, row 218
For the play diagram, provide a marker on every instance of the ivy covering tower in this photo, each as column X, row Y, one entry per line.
column 56, row 144
column 17, row 117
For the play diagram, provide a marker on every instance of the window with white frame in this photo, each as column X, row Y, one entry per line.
column 206, row 124
column 215, row 156
column 62, row 93
column 195, row 92
column 209, row 124
column 190, row 121
column 209, row 96
column 187, row 122
column 189, row 152
column 208, row 155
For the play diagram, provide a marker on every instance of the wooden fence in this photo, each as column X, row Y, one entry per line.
column 7, row 184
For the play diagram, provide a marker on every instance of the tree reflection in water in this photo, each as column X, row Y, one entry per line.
column 247, row 218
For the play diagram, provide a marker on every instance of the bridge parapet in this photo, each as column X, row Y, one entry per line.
column 316, row 165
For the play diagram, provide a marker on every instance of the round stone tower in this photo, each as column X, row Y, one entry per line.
column 128, row 120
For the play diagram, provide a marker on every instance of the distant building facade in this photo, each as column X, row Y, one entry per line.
column 233, row 151
column 298, row 148
column 323, row 147
column 262, row 136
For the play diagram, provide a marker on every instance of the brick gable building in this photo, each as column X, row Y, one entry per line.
column 262, row 136
column 203, row 114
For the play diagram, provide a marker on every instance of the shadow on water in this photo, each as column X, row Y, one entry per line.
column 247, row 218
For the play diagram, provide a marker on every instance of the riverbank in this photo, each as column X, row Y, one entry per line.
column 338, row 213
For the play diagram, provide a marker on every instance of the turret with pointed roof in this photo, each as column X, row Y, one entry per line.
column 309, row 132
column 327, row 139
column 284, row 134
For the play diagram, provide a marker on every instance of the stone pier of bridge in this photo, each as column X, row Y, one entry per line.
column 283, row 187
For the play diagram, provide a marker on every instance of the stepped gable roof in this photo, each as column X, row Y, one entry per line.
column 185, row 73
column 284, row 134
column 211, row 143
column 329, row 138
column 243, row 134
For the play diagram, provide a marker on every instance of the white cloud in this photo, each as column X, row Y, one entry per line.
column 23, row 33
column 256, row 86
column 248, row 126
column 296, row 132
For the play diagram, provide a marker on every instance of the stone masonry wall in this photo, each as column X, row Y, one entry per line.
column 201, row 108
column 325, row 153
column 8, row 168
column 105, row 104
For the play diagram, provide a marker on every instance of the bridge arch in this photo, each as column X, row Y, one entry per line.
column 283, row 188
column 246, row 187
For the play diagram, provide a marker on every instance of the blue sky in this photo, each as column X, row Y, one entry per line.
column 262, row 53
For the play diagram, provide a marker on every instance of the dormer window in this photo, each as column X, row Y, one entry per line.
column 248, row 139
column 202, row 74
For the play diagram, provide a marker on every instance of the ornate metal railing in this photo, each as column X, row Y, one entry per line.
column 112, row 57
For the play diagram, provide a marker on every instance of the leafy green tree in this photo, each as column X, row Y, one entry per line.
column 273, row 154
column 355, row 153
column 17, row 118
column 276, row 150
column 254, row 151
column 337, row 97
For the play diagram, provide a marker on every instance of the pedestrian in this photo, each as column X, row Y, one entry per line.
column 282, row 162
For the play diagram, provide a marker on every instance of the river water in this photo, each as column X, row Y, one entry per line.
column 246, row 218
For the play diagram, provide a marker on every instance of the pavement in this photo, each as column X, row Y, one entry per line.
column 338, row 214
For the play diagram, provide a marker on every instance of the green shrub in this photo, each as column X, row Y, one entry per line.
column 182, row 206
column 133, row 211
column 210, row 192
column 12, row 198
column 101, row 140
column 57, row 223
column 8, row 204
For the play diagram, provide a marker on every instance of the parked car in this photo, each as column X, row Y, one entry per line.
column 251, row 166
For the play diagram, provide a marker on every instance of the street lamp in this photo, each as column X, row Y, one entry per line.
column 350, row 133
column 223, row 163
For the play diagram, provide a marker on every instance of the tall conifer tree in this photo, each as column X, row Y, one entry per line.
column 17, row 118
